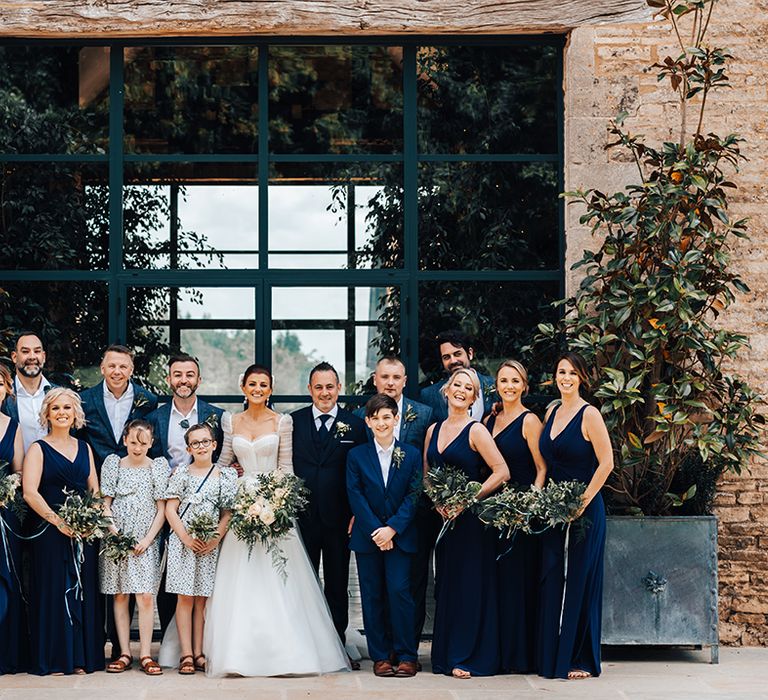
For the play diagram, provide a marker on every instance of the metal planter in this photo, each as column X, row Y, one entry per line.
column 660, row 584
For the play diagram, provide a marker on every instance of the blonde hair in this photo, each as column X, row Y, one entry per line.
column 56, row 393
column 518, row 367
column 6, row 379
column 472, row 374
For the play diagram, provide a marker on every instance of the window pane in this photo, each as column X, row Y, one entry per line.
column 336, row 216
column 335, row 99
column 55, row 99
column 54, row 216
column 500, row 317
column 487, row 99
column 191, row 99
column 72, row 318
column 346, row 326
column 216, row 215
column 215, row 324
column 488, row 216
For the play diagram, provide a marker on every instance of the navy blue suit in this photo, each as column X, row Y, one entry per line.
column 416, row 418
column 433, row 397
column 98, row 430
column 385, row 577
column 323, row 526
column 161, row 418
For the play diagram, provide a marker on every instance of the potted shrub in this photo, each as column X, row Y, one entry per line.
column 646, row 318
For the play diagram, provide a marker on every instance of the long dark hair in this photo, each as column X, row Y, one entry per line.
column 580, row 365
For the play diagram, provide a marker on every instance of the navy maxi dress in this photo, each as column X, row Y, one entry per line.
column 12, row 622
column 466, row 632
column 520, row 563
column 66, row 625
column 572, row 585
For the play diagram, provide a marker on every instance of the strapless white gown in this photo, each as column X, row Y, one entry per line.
column 256, row 623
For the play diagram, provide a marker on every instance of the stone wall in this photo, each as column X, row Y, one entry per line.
column 607, row 71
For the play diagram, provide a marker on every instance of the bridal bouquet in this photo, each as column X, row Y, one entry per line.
column 265, row 509
column 83, row 513
column 450, row 489
column 10, row 493
column 509, row 510
column 118, row 547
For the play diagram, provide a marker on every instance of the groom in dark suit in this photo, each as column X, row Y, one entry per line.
column 323, row 433
column 112, row 403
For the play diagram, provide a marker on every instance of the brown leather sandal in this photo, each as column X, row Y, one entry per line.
column 150, row 666
column 200, row 666
column 186, row 665
column 118, row 665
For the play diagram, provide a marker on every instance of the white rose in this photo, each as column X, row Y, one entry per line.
column 267, row 516
column 254, row 510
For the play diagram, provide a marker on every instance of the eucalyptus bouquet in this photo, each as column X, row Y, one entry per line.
column 265, row 510
column 10, row 492
column 451, row 490
column 509, row 510
column 558, row 503
column 117, row 547
column 203, row 527
column 83, row 513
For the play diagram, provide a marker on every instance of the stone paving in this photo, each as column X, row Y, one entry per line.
column 628, row 674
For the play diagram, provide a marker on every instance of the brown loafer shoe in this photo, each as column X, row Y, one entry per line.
column 406, row 669
column 383, row 669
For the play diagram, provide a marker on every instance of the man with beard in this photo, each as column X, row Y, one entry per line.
column 169, row 422
column 30, row 387
column 112, row 403
column 456, row 351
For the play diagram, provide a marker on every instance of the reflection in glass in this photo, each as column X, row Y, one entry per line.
column 215, row 324
column 335, row 99
column 185, row 215
column 346, row 326
column 488, row 216
column 336, row 216
column 55, row 99
column 191, row 99
column 487, row 99
column 54, row 216
column 72, row 318
column 500, row 317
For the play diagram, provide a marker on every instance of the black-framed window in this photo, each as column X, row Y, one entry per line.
column 282, row 201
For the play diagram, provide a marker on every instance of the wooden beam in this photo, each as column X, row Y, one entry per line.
column 150, row 18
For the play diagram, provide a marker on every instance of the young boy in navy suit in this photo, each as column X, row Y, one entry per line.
column 383, row 484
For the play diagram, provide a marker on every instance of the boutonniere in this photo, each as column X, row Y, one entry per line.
column 139, row 401
column 341, row 429
column 488, row 391
column 410, row 415
column 398, row 455
column 212, row 421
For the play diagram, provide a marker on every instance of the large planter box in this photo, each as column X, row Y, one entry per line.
column 660, row 584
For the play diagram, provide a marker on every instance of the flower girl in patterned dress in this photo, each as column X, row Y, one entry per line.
column 196, row 492
column 134, row 492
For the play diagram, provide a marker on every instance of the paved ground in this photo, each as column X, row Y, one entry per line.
column 628, row 674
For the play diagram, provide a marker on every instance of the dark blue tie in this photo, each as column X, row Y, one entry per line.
column 323, row 430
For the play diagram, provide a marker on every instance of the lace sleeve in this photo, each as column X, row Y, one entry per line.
column 285, row 450
column 226, row 456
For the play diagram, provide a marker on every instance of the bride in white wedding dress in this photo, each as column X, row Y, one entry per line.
column 257, row 623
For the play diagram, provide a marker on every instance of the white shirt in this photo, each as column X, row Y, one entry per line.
column 316, row 413
column 400, row 418
column 118, row 410
column 29, row 406
column 177, row 448
column 385, row 458
column 478, row 409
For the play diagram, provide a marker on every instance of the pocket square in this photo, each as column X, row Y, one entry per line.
column 347, row 442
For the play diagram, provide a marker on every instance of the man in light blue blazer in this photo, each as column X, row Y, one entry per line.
column 383, row 484
column 413, row 418
column 113, row 403
column 456, row 351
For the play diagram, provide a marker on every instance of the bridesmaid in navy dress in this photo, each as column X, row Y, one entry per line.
column 516, row 431
column 576, row 446
column 465, row 639
column 66, row 625
column 12, row 623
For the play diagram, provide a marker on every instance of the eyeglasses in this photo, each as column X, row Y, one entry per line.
column 195, row 444
column 184, row 423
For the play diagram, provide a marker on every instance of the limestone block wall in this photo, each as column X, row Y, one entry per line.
column 607, row 71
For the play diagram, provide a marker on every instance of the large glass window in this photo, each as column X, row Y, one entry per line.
column 280, row 202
